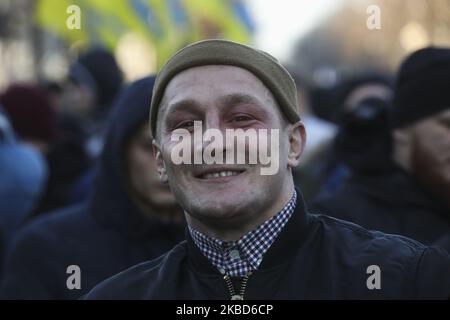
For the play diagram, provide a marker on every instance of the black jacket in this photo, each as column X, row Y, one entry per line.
column 392, row 202
column 103, row 236
column 314, row 257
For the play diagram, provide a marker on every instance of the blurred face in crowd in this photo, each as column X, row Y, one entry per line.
column 78, row 99
column 225, row 97
column 428, row 152
column 147, row 189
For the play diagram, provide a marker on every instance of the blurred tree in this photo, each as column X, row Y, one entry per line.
column 344, row 43
column 16, row 42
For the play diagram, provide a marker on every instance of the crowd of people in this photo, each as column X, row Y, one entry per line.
column 86, row 180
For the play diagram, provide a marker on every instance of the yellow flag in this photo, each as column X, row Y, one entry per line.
column 167, row 24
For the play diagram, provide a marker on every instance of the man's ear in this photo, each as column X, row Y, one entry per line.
column 402, row 147
column 297, row 141
column 160, row 165
column 402, row 137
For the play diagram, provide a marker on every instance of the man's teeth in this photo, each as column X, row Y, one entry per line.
column 220, row 174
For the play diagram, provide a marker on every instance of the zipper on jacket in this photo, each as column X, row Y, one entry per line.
column 230, row 286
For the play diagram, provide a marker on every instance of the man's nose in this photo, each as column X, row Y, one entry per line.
column 212, row 122
column 213, row 132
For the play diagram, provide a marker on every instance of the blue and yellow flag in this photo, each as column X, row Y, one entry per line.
column 167, row 24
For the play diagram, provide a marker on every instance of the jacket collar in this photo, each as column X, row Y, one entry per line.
column 288, row 241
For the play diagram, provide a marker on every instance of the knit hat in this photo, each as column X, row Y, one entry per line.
column 98, row 70
column 422, row 87
column 30, row 112
column 222, row 52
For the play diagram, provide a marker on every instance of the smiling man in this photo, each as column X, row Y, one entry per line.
column 249, row 235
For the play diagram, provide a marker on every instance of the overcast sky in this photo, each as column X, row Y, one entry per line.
column 279, row 23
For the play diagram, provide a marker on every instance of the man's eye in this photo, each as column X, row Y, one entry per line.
column 185, row 125
column 242, row 118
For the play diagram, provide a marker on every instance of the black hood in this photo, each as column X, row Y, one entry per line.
column 111, row 203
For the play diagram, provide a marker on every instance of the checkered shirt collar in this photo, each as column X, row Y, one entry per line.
column 238, row 258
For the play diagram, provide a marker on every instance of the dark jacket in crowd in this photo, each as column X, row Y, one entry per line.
column 103, row 236
column 393, row 202
column 314, row 257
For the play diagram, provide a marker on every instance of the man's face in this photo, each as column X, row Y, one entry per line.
column 430, row 153
column 222, row 97
column 143, row 175
column 78, row 100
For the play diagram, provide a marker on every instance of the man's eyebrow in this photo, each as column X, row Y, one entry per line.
column 226, row 101
column 237, row 98
column 184, row 105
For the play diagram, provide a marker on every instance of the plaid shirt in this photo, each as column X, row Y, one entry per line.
column 238, row 258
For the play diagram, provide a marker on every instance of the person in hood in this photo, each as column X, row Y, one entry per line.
column 409, row 194
column 249, row 234
column 130, row 217
column 94, row 80
column 82, row 104
column 67, row 159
